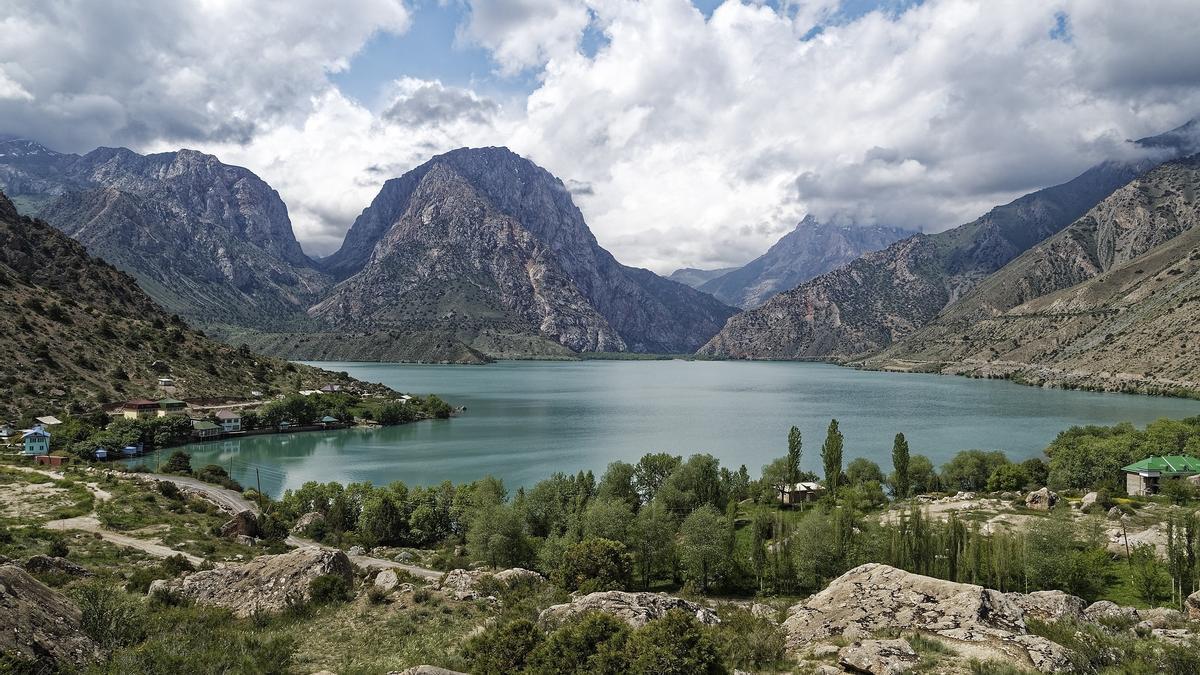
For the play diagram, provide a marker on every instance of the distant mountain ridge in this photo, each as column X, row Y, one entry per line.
column 209, row 241
column 1110, row 302
column 809, row 250
column 877, row 299
column 694, row 277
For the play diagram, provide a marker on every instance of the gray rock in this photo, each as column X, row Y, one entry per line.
column 635, row 609
column 39, row 564
column 1049, row 605
column 356, row 551
column 1114, row 513
column 245, row 540
column 244, row 523
column 463, row 584
column 872, row 598
column 386, row 580
column 1192, row 606
column 824, row 651
column 1088, row 501
column 764, row 612
column 40, row 625
column 404, row 556
column 878, row 657
column 307, row 520
column 268, row 583
column 1176, row 636
column 1107, row 609
column 1041, row 500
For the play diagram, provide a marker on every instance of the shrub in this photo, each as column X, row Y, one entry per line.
column 179, row 462
column 675, row 644
column 58, row 548
column 503, row 648
column 593, row 643
column 169, row 490
column 109, row 616
column 329, row 589
column 749, row 642
column 595, row 565
column 376, row 595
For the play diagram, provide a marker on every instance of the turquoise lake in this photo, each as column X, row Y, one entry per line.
column 528, row 419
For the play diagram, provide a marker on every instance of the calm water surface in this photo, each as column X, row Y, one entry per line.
column 528, row 419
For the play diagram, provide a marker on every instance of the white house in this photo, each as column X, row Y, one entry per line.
column 36, row 441
column 229, row 420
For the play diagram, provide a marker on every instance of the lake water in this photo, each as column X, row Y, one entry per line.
column 528, row 419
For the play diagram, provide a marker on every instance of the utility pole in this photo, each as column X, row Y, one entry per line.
column 258, row 480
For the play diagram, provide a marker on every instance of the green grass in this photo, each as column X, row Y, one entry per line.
column 68, row 499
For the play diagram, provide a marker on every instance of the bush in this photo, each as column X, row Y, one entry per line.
column 179, row 462
column 110, row 616
column 749, row 642
column 595, row 565
column 593, row 643
column 169, row 490
column 376, row 595
column 675, row 644
column 503, row 648
column 329, row 589
column 58, row 548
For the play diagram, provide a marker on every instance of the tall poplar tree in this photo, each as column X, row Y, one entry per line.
column 900, row 464
column 831, row 457
column 795, row 450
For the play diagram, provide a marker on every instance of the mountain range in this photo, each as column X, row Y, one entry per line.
column 809, row 250
column 478, row 253
column 881, row 297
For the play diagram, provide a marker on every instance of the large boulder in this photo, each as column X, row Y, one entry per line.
column 872, row 598
column 1041, row 500
column 635, row 609
column 878, row 657
column 41, row 564
column 1089, row 501
column 243, row 523
column 1107, row 610
column 306, row 521
column 1049, row 605
column 40, row 625
column 269, row 583
column 1192, row 605
column 464, row 584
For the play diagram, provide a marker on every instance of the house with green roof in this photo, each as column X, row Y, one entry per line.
column 203, row 429
column 1144, row 478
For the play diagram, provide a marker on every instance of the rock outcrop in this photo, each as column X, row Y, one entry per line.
column 306, row 521
column 268, row 583
column 243, row 523
column 635, row 609
column 873, row 598
column 464, row 584
column 878, row 657
column 39, row 564
column 1041, row 500
column 40, row 626
column 1049, row 605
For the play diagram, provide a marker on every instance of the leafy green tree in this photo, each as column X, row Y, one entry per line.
column 794, row 453
column 1037, row 470
column 594, row 565
column 652, row 471
column 674, row 644
column 653, row 540
column 382, row 520
column 178, row 462
column 437, row 408
column 393, row 413
column 503, row 648
column 970, row 469
column 497, row 535
column 607, row 518
column 592, row 644
column 900, row 465
column 1148, row 573
column 701, row 546
column 831, row 457
column 922, row 477
column 861, row 470
column 1007, row 477
column 618, row 483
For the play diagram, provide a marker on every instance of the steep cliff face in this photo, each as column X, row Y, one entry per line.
column 1109, row 302
column 481, row 242
column 811, row 249
column 208, row 241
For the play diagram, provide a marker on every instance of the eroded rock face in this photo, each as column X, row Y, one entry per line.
column 38, row 564
column 1192, row 605
column 1041, row 500
column 878, row 657
column 268, row 583
column 463, row 584
column 873, row 597
column 1049, row 605
column 635, row 609
column 39, row 624
column 244, row 523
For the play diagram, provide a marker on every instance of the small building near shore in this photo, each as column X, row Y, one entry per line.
column 800, row 493
column 139, row 409
column 229, row 420
column 171, row 407
column 35, row 441
column 330, row 421
column 1146, row 477
column 204, row 429
column 51, row 460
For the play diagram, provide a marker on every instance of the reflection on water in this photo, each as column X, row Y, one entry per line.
column 525, row 420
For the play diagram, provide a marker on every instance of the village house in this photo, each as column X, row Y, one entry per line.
column 166, row 382
column 1145, row 478
column 35, row 441
column 330, row 421
column 51, row 460
column 204, row 429
column 171, row 407
column 139, row 409
column 800, row 493
column 48, row 420
column 229, row 420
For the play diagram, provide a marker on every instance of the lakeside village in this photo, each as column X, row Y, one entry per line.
column 141, row 425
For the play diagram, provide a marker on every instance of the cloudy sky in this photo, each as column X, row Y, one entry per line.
column 692, row 132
